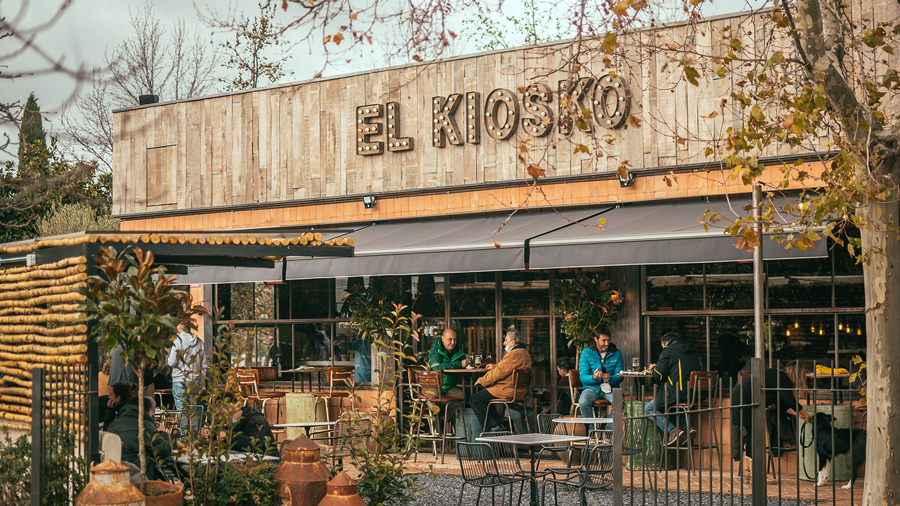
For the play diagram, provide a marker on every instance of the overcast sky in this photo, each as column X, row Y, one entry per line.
column 88, row 27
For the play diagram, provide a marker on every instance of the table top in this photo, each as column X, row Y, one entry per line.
column 307, row 368
column 302, row 424
column 474, row 369
column 583, row 420
column 532, row 439
column 239, row 456
column 635, row 374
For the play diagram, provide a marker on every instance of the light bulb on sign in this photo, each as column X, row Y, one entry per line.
column 840, row 326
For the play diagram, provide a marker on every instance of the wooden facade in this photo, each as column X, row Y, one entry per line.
column 299, row 142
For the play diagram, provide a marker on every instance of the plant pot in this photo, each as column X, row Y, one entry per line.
column 164, row 494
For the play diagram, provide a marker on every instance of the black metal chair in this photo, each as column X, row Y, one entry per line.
column 703, row 394
column 348, row 437
column 509, row 466
column 479, row 469
column 546, row 425
column 595, row 473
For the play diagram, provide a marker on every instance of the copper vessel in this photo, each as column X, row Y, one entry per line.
column 302, row 475
column 342, row 491
column 110, row 485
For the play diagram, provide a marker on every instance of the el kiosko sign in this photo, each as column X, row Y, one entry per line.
column 499, row 114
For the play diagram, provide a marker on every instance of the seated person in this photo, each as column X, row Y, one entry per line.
column 251, row 431
column 677, row 361
column 499, row 382
column 318, row 345
column 598, row 369
column 446, row 354
column 156, row 443
column 122, row 392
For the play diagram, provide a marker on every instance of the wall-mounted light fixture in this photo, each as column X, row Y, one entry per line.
column 369, row 201
column 627, row 180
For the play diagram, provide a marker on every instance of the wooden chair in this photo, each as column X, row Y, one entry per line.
column 338, row 375
column 427, row 385
column 521, row 385
column 249, row 383
column 575, row 385
column 703, row 393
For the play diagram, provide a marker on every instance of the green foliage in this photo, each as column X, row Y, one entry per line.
column 860, row 375
column 218, row 480
column 384, row 475
column 371, row 309
column 136, row 306
column 63, row 473
column 76, row 217
column 15, row 470
column 584, row 302
column 31, row 130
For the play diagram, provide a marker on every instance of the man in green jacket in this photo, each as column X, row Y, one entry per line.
column 157, row 444
column 446, row 354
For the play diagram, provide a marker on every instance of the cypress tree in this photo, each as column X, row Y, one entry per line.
column 32, row 128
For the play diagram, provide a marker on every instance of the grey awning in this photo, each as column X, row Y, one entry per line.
column 639, row 234
column 653, row 234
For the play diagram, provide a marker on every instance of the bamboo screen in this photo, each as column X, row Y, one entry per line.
column 38, row 310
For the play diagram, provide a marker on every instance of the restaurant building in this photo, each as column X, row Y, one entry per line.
column 420, row 165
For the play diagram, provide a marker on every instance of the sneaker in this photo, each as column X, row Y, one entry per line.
column 496, row 428
column 693, row 434
column 674, row 437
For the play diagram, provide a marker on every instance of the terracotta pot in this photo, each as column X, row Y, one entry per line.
column 171, row 495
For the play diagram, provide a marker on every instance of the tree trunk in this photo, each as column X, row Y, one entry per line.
column 882, row 484
column 142, row 451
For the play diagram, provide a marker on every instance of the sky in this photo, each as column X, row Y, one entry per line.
column 88, row 27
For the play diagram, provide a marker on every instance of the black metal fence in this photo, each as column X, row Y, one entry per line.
column 746, row 441
column 59, row 458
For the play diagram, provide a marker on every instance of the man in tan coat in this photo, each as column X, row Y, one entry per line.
column 499, row 381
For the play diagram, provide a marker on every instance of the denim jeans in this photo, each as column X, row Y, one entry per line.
column 661, row 421
column 180, row 391
column 586, row 404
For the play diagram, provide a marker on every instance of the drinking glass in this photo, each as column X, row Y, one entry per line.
column 635, row 364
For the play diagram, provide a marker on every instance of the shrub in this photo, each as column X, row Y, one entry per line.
column 69, row 218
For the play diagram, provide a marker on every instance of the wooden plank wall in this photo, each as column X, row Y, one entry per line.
column 299, row 142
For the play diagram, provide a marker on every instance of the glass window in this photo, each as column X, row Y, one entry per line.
column 729, row 285
column 309, row 298
column 525, row 293
column 849, row 288
column 313, row 342
column 476, row 336
column 692, row 328
column 730, row 345
column 472, row 294
column 804, row 337
column 674, row 287
column 428, row 293
column 241, row 302
column 799, row 283
column 264, row 302
column 536, row 332
column 851, row 338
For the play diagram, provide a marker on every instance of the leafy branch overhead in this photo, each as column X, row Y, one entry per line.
column 584, row 301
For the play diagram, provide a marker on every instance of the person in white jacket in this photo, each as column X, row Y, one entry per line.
column 187, row 361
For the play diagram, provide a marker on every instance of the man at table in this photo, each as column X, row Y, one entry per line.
column 499, row 382
column 677, row 361
column 446, row 354
column 251, row 431
column 598, row 369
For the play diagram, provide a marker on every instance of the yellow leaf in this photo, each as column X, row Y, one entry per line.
column 337, row 38
column 353, row 16
column 284, row 4
column 620, row 9
column 536, row 172
column 496, row 244
column 327, row 39
column 788, row 121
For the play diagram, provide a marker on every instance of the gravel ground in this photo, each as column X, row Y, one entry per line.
column 443, row 490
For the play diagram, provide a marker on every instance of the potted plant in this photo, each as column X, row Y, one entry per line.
column 584, row 302
column 136, row 306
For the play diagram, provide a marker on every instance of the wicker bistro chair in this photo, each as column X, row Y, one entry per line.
column 426, row 386
column 522, row 385
column 479, row 469
column 338, row 375
column 594, row 473
column 347, row 437
column 703, row 393
column 575, row 387
column 249, row 383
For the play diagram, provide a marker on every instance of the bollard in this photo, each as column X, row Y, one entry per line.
column 302, row 475
column 110, row 486
column 342, row 491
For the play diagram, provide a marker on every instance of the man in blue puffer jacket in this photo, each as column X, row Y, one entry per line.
column 598, row 369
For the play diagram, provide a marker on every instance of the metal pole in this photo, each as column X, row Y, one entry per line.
column 757, row 368
column 37, row 424
column 618, row 405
